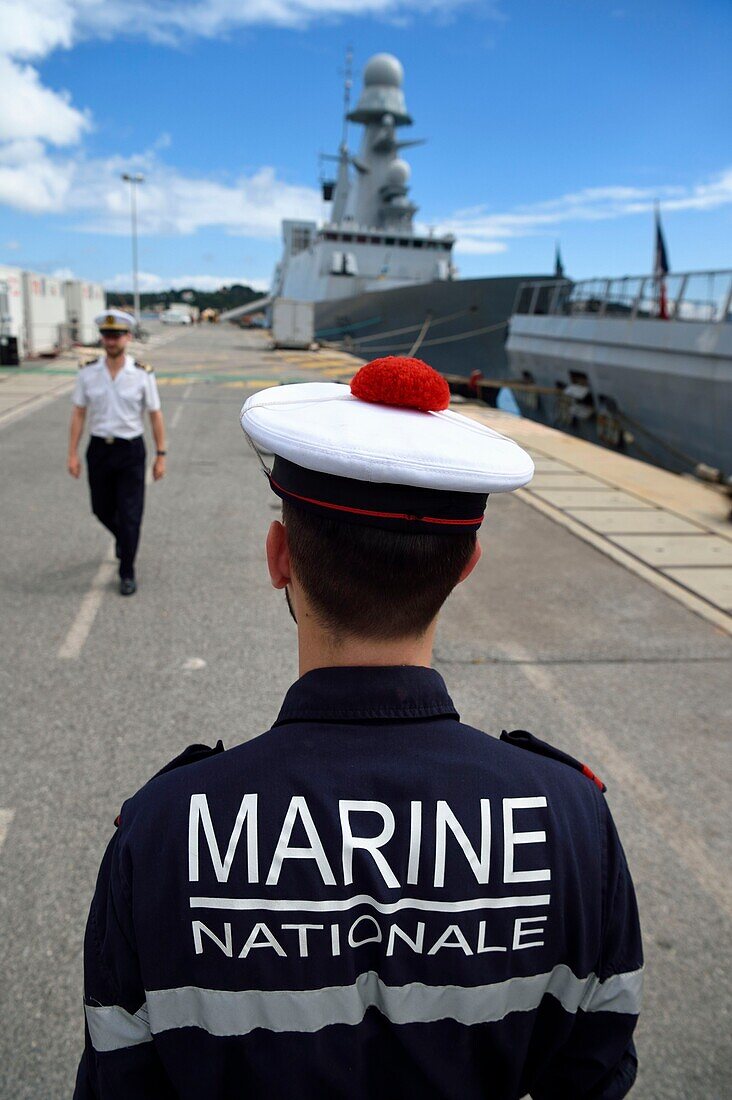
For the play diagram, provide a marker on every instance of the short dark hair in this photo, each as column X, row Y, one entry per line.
column 371, row 583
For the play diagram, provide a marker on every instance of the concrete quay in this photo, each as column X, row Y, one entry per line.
column 599, row 618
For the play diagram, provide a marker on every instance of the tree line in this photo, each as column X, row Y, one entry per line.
column 226, row 297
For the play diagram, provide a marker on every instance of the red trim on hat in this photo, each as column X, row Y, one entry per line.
column 380, row 515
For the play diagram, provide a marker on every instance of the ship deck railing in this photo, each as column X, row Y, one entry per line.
column 694, row 296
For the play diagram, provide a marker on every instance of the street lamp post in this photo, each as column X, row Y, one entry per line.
column 133, row 182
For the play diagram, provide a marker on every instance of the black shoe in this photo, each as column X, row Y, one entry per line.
column 127, row 586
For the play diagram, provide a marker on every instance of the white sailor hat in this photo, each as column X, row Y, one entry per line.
column 115, row 320
column 385, row 451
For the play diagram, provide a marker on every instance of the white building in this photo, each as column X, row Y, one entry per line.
column 45, row 314
column 12, row 312
column 84, row 302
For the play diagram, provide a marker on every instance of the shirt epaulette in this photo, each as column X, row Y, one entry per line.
column 525, row 740
column 85, row 363
column 143, row 366
column 191, row 755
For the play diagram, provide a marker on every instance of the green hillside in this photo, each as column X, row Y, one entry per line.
column 226, row 297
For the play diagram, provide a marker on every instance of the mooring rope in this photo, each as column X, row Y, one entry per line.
column 437, row 340
column 422, row 333
column 411, row 328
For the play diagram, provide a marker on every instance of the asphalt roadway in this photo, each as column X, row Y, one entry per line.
column 99, row 691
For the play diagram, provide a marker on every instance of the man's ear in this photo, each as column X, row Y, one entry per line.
column 472, row 561
column 278, row 555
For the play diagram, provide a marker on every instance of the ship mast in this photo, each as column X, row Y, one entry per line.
column 379, row 198
column 368, row 241
column 342, row 187
column 347, row 85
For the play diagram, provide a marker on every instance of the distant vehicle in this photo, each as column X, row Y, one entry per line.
column 175, row 317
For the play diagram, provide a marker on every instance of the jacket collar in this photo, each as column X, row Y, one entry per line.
column 129, row 363
column 367, row 693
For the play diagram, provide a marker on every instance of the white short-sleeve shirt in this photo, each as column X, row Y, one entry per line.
column 116, row 406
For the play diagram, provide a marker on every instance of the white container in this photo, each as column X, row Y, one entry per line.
column 12, row 322
column 46, row 331
column 184, row 307
column 176, row 317
column 84, row 302
column 292, row 323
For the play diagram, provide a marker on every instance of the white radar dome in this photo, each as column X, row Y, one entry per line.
column 382, row 96
column 385, row 69
column 398, row 173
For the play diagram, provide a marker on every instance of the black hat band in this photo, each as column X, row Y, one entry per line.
column 378, row 504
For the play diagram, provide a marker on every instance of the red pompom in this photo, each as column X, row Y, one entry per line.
column 396, row 380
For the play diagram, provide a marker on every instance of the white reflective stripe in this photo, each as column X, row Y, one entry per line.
column 618, row 993
column 113, row 1028
column 337, row 905
column 226, row 1012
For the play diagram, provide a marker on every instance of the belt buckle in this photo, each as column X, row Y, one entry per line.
column 109, row 439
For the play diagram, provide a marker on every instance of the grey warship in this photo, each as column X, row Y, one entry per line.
column 379, row 286
column 638, row 364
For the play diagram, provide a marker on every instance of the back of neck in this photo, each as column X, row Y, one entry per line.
column 319, row 650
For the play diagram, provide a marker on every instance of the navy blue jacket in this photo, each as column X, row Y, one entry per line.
column 369, row 900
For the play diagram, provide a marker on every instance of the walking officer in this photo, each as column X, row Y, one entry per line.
column 371, row 899
column 116, row 390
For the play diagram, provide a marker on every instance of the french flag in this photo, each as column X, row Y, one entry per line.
column 660, row 268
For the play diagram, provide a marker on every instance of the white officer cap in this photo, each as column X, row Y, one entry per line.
column 115, row 320
column 385, row 451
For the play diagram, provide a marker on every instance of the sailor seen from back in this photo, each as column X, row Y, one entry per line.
column 371, row 898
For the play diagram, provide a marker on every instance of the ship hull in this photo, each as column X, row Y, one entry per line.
column 466, row 329
column 660, row 392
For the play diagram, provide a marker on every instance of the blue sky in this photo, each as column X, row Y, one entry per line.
column 545, row 120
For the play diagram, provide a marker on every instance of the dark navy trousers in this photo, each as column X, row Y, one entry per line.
column 117, row 485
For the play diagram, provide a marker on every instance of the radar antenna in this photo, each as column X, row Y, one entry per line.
column 347, row 85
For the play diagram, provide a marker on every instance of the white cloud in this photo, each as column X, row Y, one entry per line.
column 28, row 111
column 171, row 203
column 705, row 196
column 33, row 28
column 481, row 232
column 149, row 283
column 36, row 122
column 34, row 117
column 478, row 246
column 165, row 22
column 31, row 180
